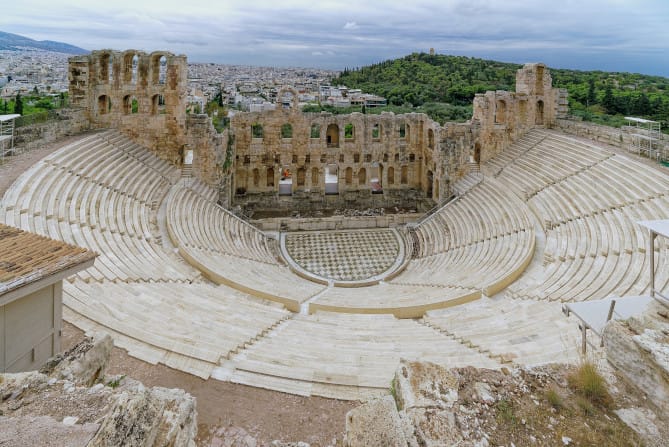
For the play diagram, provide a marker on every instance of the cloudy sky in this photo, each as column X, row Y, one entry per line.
column 617, row 35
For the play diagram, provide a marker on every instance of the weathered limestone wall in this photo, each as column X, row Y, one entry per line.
column 505, row 116
column 34, row 136
column 209, row 149
column 143, row 95
column 334, row 222
column 403, row 152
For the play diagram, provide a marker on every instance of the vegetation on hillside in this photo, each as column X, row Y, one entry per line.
column 420, row 79
column 35, row 105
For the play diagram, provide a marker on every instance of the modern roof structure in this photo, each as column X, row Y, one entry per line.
column 27, row 259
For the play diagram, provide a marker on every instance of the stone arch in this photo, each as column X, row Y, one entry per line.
column 287, row 131
column 294, row 101
column 301, row 174
column 477, row 152
column 257, row 130
column 362, row 176
column 104, row 105
column 500, row 112
column 157, row 104
column 403, row 130
column 376, row 132
column 404, row 175
column 270, row 177
column 130, row 66
column 349, row 175
column 158, row 69
column 349, row 132
column 430, row 139
column 332, row 135
column 539, row 117
column 391, row 175
column 315, row 130
column 241, row 182
column 314, row 177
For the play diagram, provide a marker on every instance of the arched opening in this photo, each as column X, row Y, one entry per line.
column 257, row 131
column 315, row 131
column 286, row 182
column 157, row 104
column 376, row 132
column 404, row 174
column 408, row 132
column 349, row 132
column 349, row 176
column 127, row 105
column 539, row 118
column 500, row 112
column 256, row 177
column 104, row 105
column 134, row 105
column 270, row 177
column 477, row 152
column 362, row 177
column 332, row 135
column 240, row 187
column 130, row 64
column 403, row 130
column 430, row 181
column 286, row 131
column 159, row 69
column 314, row 178
column 288, row 98
column 436, row 190
column 430, row 139
column 391, row 175
column 375, row 182
column 332, row 179
column 300, row 177
column 397, row 158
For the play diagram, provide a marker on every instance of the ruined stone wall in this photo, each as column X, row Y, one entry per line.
column 402, row 151
column 505, row 116
column 143, row 95
column 35, row 136
column 209, row 150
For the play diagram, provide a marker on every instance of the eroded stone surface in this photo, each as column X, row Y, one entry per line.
column 375, row 424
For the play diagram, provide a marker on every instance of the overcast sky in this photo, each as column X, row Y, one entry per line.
column 616, row 35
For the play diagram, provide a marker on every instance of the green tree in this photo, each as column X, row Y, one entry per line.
column 18, row 104
column 592, row 96
column 609, row 102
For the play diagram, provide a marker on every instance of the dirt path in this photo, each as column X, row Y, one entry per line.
column 231, row 411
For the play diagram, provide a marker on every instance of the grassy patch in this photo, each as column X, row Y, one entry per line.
column 588, row 383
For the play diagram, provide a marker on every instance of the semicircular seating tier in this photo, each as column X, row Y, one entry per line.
column 232, row 252
column 588, row 201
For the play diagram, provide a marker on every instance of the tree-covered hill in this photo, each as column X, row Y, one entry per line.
column 421, row 79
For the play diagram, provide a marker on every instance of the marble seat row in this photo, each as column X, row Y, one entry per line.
column 483, row 213
column 196, row 222
column 523, row 332
column 189, row 326
column 488, row 265
column 356, row 351
column 68, row 197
